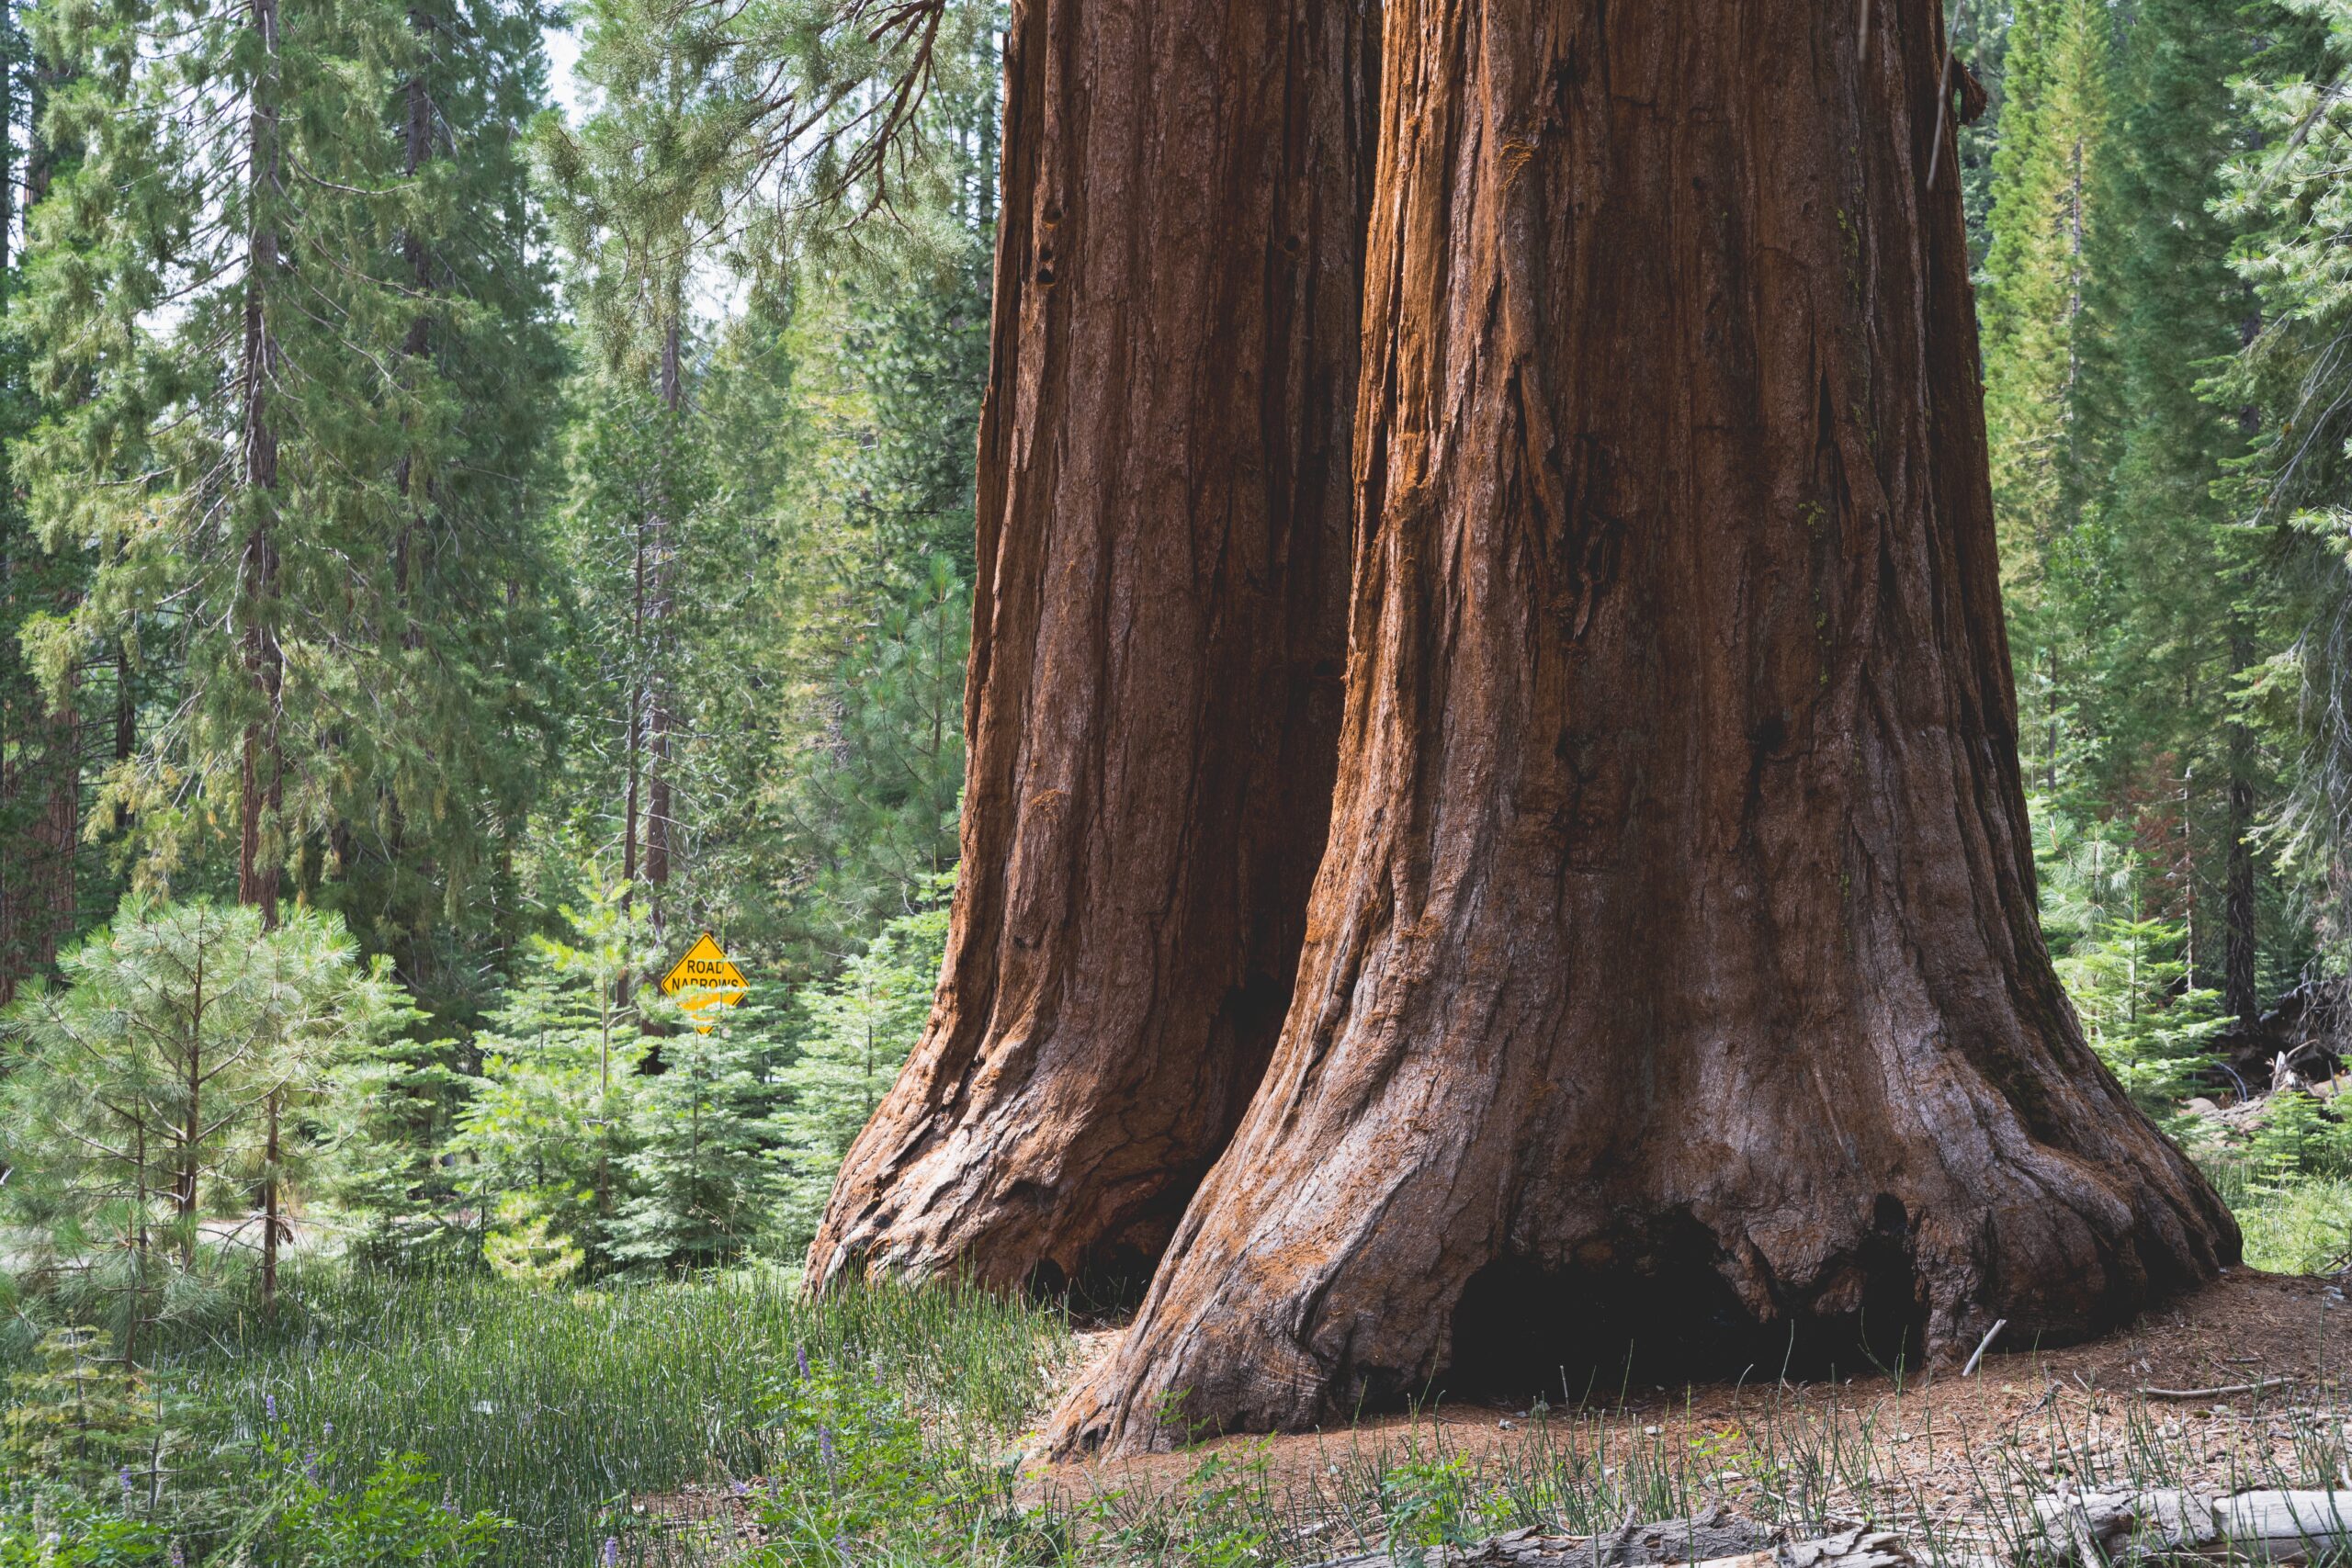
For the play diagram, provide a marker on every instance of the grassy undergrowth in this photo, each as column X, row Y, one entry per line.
column 1818, row 1465
column 574, row 1416
column 2299, row 1226
column 467, row 1419
column 876, row 1427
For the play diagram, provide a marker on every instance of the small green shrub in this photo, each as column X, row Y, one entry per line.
column 850, row 1472
column 53, row 1532
column 1220, row 1516
column 79, row 1415
column 396, row 1517
column 845, row 1462
column 1428, row 1503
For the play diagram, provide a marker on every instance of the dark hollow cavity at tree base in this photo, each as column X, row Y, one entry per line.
column 1655, row 1310
column 1108, row 1286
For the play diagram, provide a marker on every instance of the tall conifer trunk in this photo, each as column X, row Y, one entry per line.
column 42, row 745
column 1152, row 701
column 417, row 149
column 273, row 1220
column 660, row 599
column 2240, row 993
column 1673, row 974
column 261, row 791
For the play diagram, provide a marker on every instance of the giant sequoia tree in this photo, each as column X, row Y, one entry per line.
column 1672, row 973
column 1154, row 690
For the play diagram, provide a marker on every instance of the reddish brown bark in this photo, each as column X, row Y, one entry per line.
column 40, row 743
column 1153, row 700
column 40, row 776
column 1673, row 975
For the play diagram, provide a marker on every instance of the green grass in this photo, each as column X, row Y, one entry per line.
column 2304, row 1227
column 1578, row 1472
column 558, row 1409
column 567, row 1411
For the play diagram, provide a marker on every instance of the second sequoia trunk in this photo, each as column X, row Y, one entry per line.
column 1154, row 695
column 1672, row 977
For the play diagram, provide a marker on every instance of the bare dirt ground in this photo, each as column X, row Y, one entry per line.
column 1942, row 1444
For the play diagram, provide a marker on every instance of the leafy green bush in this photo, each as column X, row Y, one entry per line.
column 845, row 1462
column 396, row 1516
column 282, row 1514
column 1219, row 1515
column 1428, row 1503
column 48, row 1531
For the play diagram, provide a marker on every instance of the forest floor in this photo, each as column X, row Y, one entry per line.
column 1938, row 1450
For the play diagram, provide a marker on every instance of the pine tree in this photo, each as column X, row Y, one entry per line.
column 2174, row 606
column 387, row 1122
column 775, row 539
column 1980, row 38
column 640, row 540
column 442, row 728
column 42, row 725
column 2053, row 131
column 871, row 815
column 2288, row 198
column 285, row 356
column 158, row 1087
column 545, row 1140
column 860, row 1025
column 705, row 1185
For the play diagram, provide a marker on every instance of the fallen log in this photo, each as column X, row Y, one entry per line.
column 1694, row 1543
column 2098, row 1528
column 2094, row 1529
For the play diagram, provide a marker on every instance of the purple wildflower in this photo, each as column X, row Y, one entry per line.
column 327, row 1430
column 269, row 1406
column 612, row 1550
column 125, row 1479
column 179, row 1558
column 825, row 1445
column 800, row 1354
column 311, row 1465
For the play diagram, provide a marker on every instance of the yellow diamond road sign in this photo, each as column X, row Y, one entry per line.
column 705, row 978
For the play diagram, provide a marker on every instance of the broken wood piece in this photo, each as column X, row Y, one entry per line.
column 2223, row 1391
column 1983, row 1345
column 2094, row 1529
column 2101, row 1527
column 1856, row 1547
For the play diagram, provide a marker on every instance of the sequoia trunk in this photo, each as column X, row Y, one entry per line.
column 1153, row 699
column 1673, row 977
